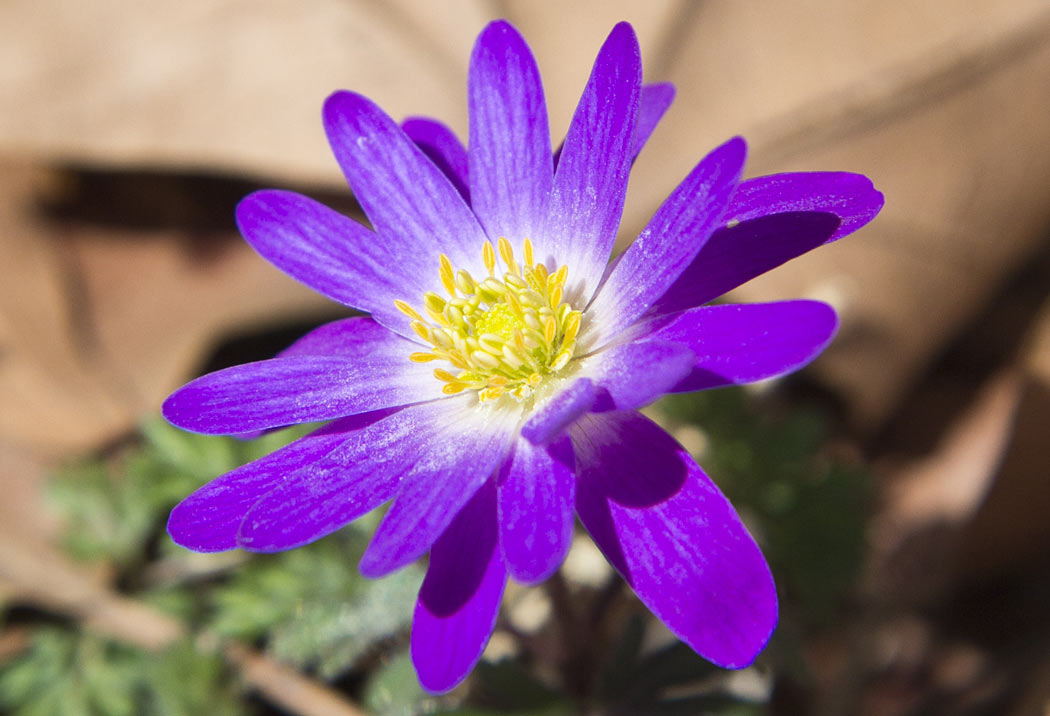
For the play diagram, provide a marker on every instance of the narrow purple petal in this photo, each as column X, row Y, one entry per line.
column 669, row 243
column 372, row 371
column 653, row 103
column 674, row 537
column 537, row 489
column 447, row 472
column 363, row 472
column 511, row 169
column 782, row 216
column 742, row 343
column 407, row 199
column 551, row 419
column 591, row 181
column 345, row 337
column 355, row 337
column 735, row 255
column 460, row 596
column 207, row 520
column 334, row 255
column 442, row 146
column 851, row 197
column 632, row 375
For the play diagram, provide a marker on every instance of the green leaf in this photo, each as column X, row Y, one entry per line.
column 316, row 609
column 393, row 689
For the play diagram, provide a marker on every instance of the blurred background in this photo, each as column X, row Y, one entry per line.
column 900, row 486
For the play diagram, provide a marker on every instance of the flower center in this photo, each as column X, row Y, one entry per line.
column 503, row 334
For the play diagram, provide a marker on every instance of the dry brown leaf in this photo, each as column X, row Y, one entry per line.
column 97, row 324
column 947, row 110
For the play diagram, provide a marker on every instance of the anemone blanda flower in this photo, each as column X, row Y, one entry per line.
column 492, row 391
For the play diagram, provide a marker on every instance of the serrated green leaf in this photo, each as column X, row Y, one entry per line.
column 393, row 689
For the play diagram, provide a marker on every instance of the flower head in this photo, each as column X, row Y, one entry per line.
column 491, row 392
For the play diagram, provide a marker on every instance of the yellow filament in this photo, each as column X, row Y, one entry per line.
column 506, row 333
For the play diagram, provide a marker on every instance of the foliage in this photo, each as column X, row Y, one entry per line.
column 68, row 672
column 807, row 509
column 310, row 608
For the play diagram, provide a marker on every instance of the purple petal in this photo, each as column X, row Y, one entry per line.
column 851, row 197
column 591, row 181
column 733, row 256
column 551, row 419
column 442, row 146
column 359, row 475
column 782, row 216
column 632, row 375
column 334, row 255
column 355, row 337
column 460, row 597
column 510, row 148
column 536, row 493
column 449, row 468
column 736, row 344
column 674, row 537
column 207, row 520
column 654, row 101
column 331, row 339
column 670, row 241
column 407, row 199
column 371, row 372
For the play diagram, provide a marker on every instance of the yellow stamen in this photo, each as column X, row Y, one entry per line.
column 407, row 310
column 488, row 256
column 505, row 334
column 445, row 273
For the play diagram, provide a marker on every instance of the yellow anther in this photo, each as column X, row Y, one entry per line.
column 456, row 359
column 514, row 303
column 407, row 310
column 445, row 273
column 492, row 289
column 421, row 330
column 512, row 357
column 505, row 334
column 513, row 279
column 531, row 298
column 562, row 313
column 484, row 360
column 488, row 256
column 432, row 300
column 465, row 282
column 572, row 327
column 507, row 254
column 491, row 343
column 441, row 338
column 437, row 317
column 562, row 359
column 454, row 316
column 555, row 297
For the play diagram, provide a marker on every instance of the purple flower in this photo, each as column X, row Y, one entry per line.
column 491, row 393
